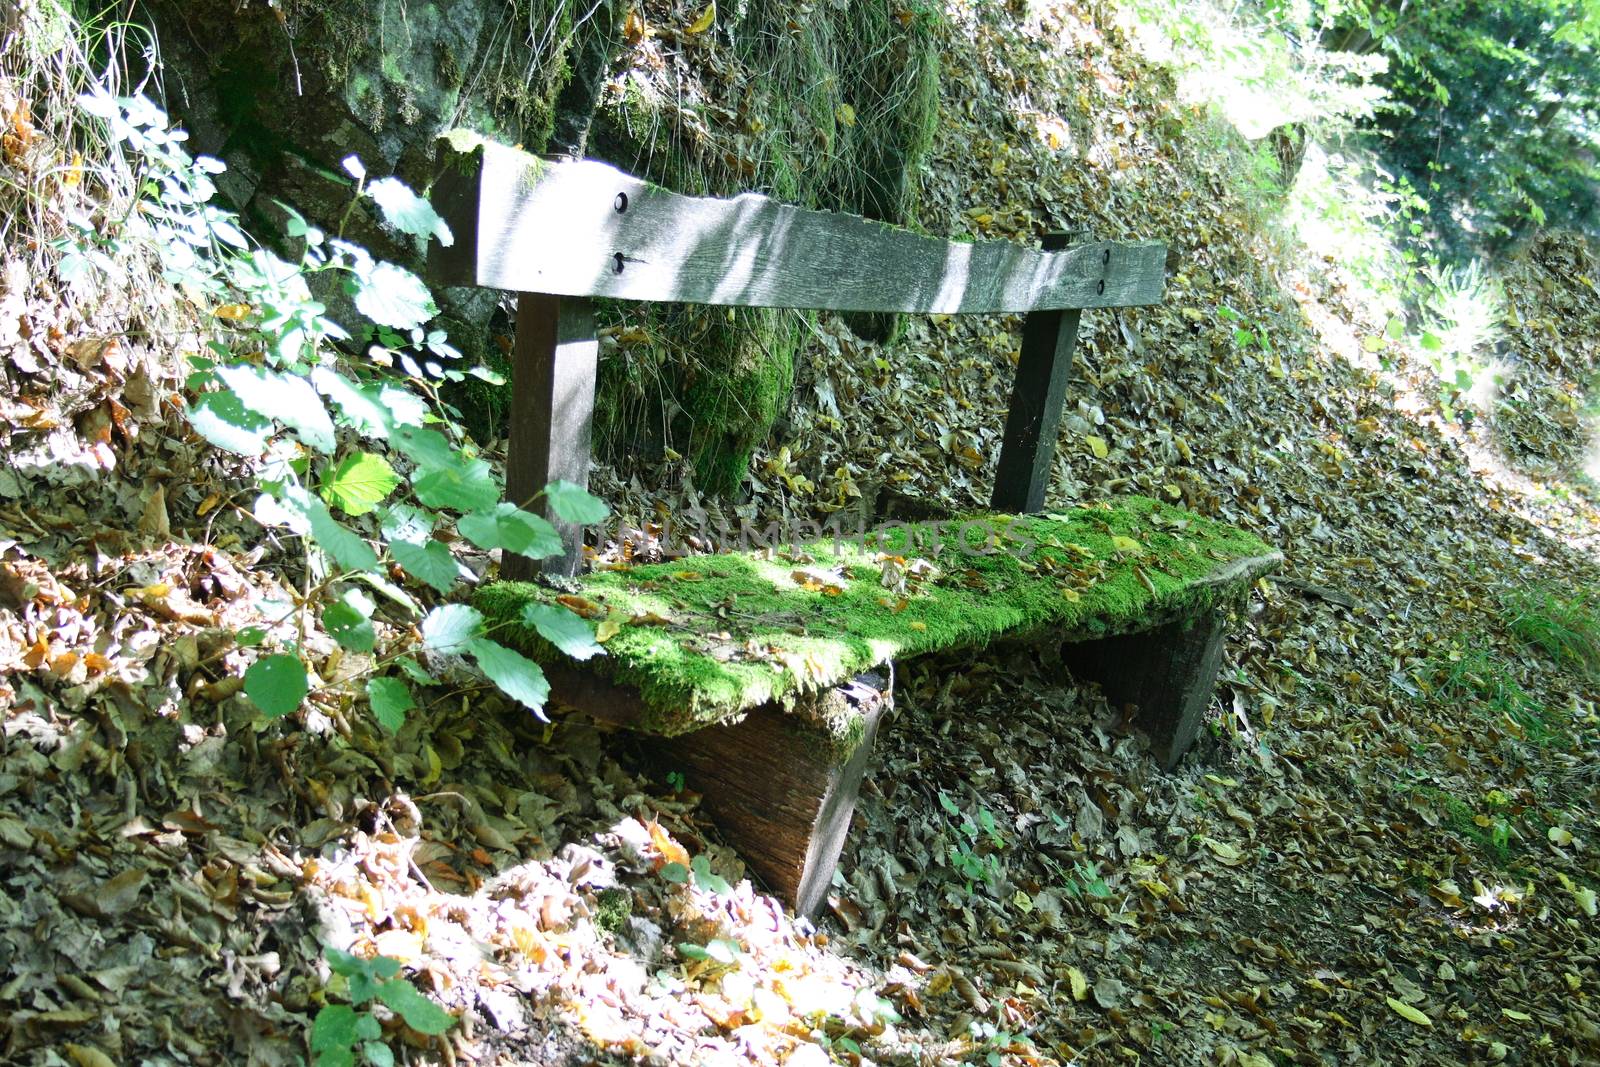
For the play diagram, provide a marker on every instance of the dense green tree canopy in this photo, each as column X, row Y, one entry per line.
column 1494, row 109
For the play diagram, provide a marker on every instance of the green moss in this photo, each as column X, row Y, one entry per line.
column 612, row 908
column 709, row 382
column 706, row 638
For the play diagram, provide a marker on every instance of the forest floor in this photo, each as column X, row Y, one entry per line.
column 1382, row 851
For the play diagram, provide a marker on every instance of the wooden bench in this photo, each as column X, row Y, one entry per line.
column 768, row 669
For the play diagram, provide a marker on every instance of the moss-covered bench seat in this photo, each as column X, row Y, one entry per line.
column 760, row 660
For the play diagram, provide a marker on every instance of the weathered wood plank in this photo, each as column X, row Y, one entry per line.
column 782, row 798
column 583, row 228
column 552, row 407
column 1028, row 449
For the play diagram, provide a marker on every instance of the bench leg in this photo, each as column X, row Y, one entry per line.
column 552, row 408
column 1028, row 450
column 1167, row 674
column 781, row 792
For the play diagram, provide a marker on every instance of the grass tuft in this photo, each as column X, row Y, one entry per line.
column 1564, row 627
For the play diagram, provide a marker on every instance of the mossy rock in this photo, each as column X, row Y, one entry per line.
column 707, row 638
column 707, row 382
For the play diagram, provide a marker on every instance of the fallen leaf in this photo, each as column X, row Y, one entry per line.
column 1127, row 546
column 1406, row 1011
column 587, row 608
column 1079, row 982
column 1225, row 852
column 707, row 19
column 634, row 27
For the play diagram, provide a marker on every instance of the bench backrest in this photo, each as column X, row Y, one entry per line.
column 560, row 231
column 578, row 227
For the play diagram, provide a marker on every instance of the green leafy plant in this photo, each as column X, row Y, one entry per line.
column 723, row 950
column 341, row 1031
column 272, row 387
column 1474, row 674
column 994, row 1041
column 975, row 837
column 699, row 869
column 1086, row 880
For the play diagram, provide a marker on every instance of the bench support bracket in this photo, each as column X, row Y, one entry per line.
column 552, row 409
column 782, row 798
column 1167, row 674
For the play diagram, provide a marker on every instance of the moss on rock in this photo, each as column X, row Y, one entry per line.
column 706, row 381
column 707, row 638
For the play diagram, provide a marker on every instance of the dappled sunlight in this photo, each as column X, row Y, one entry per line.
column 635, row 945
column 1258, row 81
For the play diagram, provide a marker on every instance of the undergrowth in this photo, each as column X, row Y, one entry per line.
column 1478, row 676
column 839, row 110
column 1563, row 626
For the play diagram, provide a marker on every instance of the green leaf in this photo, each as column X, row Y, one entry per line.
column 450, row 628
column 390, row 699
column 415, row 671
column 705, row 878
column 342, row 962
column 250, row 636
column 675, row 873
column 405, row 407
column 1431, row 341
column 393, row 296
column 277, row 684
column 334, row 1027
column 392, row 591
column 573, row 503
column 723, row 950
column 419, row 1013
column 335, row 1057
column 429, row 562
column 564, row 629
column 691, row 951
column 462, row 484
column 349, row 627
column 517, row 676
column 347, row 549
column 368, row 1028
column 511, row 528
column 287, row 398
column 361, row 405
column 402, row 522
column 225, row 422
column 424, row 447
column 408, row 212
column 378, row 1054
column 359, row 483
